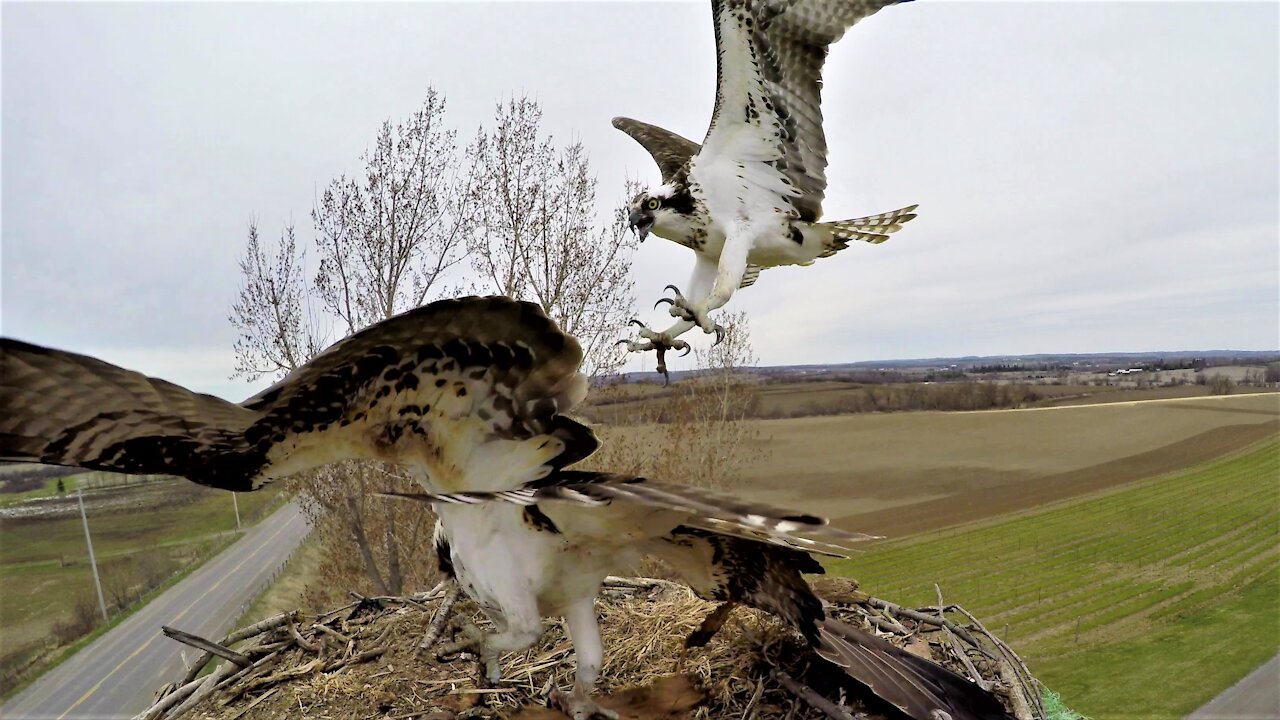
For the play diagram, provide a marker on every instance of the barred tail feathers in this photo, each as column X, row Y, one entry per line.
column 921, row 689
column 873, row 229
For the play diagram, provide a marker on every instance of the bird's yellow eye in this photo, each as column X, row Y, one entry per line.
column 653, row 204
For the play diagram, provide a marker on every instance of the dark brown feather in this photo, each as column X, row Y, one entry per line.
column 670, row 151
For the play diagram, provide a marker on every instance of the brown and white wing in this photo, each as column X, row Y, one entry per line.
column 664, row 506
column 61, row 408
column 471, row 391
column 751, row 275
column 799, row 38
column 670, row 151
column 769, row 92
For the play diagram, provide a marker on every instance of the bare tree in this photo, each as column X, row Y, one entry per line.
column 385, row 244
column 698, row 431
column 536, row 235
column 275, row 334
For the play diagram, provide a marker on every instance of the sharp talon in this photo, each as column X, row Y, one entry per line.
column 686, row 351
column 673, row 289
column 635, row 322
column 719, row 335
column 663, row 300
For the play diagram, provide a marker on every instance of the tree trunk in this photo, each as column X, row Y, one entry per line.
column 357, row 529
column 394, row 579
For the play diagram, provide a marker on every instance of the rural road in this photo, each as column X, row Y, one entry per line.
column 115, row 676
column 1256, row 696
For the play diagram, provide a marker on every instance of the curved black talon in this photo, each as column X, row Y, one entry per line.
column 636, row 322
column 687, row 348
column 662, row 365
column 675, row 290
column 720, row 333
column 663, row 300
column 623, row 341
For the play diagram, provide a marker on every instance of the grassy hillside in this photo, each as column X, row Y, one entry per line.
column 1148, row 600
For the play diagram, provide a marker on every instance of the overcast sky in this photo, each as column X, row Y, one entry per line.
column 1091, row 176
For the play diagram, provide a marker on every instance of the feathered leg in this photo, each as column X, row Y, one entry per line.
column 584, row 631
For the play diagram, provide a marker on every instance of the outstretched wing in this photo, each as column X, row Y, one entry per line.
column 470, row 392
column 61, row 408
column 670, row 151
column 768, row 93
column 481, row 382
column 661, row 508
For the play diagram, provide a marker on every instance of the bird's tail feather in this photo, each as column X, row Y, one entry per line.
column 62, row 408
column 920, row 688
column 873, row 229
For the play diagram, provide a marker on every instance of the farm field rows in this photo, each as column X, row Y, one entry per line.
column 1143, row 601
column 901, row 473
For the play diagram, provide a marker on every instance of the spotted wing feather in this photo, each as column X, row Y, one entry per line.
column 482, row 383
column 670, row 151
column 62, row 408
column 471, row 390
column 770, row 56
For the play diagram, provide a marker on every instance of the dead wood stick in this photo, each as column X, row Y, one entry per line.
column 299, row 671
column 206, row 688
column 1021, row 708
column 254, row 704
column 330, row 631
column 918, row 616
column 437, row 623
column 335, row 613
column 301, row 641
column 1026, row 681
column 955, row 645
column 357, row 658
column 804, row 692
column 209, row 646
column 236, row 636
column 242, row 682
column 168, row 701
column 887, row 625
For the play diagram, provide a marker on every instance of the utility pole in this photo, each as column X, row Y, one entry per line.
column 102, row 604
column 236, row 503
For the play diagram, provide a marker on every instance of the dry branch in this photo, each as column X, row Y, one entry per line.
column 208, row 646
column 807, row 694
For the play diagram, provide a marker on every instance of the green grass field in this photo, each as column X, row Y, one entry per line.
column 1140, row 602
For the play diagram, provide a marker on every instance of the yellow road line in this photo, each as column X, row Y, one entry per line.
column 185, row 610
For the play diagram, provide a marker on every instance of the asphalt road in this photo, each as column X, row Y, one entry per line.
column 116, row 675
column 1256, row 696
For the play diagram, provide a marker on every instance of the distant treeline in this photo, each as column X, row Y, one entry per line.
column 21, row 477
column 914, row 396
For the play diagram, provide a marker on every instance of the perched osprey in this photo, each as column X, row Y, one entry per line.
column 470, row 394
column 751, row 196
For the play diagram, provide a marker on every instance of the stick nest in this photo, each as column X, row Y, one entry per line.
column 364, row 661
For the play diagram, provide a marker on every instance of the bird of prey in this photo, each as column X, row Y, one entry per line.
column 470, row 394
column 750, row 197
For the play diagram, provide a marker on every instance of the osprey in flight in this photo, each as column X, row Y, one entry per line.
column 470, row 395
column 751, row 196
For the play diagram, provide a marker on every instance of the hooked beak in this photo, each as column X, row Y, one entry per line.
column 640, row 222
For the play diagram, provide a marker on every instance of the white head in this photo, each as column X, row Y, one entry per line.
column 667, row 211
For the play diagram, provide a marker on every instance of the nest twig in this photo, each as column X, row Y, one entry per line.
column 364, row 660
